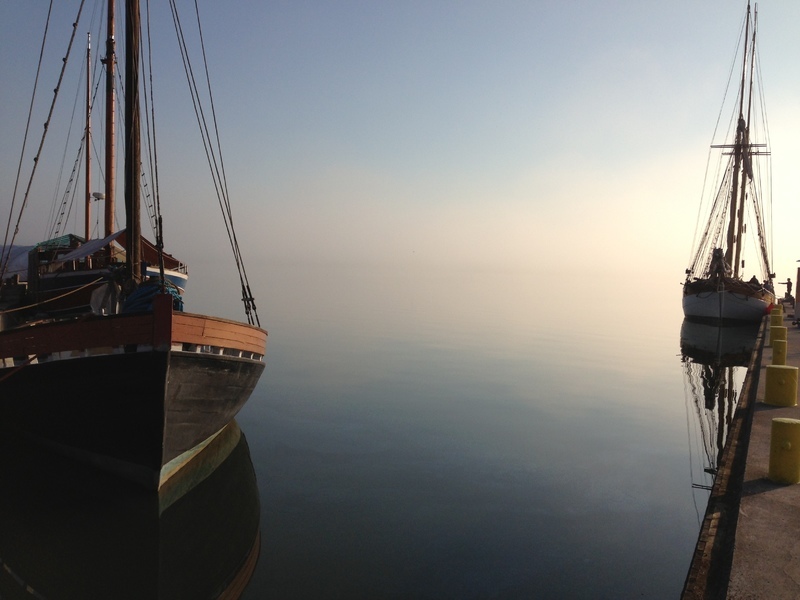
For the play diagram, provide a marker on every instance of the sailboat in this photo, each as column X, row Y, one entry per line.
column 716, row 287
column 98, row 357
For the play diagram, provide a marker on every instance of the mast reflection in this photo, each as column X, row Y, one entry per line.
column 715, row 358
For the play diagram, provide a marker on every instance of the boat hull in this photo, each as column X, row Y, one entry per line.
column 138, row 395
column 727, row 305
column 132, row 413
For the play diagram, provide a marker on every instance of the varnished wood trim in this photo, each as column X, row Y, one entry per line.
column 212, row 331
column 126, row 330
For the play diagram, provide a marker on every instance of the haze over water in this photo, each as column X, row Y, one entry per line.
column 417, row 433
column 461, row 434
column 480, row 393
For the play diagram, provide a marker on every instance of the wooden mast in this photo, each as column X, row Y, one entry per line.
column 111, row 172
column 732, row 241
column 133, row 246
column 88, row 138
column 746, row 152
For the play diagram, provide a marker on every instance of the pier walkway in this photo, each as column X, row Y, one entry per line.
column 749, row 545
column 766, row 558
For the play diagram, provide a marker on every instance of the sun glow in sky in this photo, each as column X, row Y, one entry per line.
column 570, row 136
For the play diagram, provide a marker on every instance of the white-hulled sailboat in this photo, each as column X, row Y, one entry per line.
column 716, row 286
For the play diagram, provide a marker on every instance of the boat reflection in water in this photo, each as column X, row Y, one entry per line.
column 69, row 531
column 715, row 360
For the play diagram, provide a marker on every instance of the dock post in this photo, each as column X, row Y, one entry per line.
column 779, row 352
column 776, row 333
column 781, row 385
column 784, row 451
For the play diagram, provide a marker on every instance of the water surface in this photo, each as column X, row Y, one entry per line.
column 461, row 434
column 420, row 433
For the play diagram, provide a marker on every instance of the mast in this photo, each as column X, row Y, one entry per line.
column 746, row 152
column 111, row 173
column 133, row 246
column 765, row 258
column 731, row 251
column 88, row 137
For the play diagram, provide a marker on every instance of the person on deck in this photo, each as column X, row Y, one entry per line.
column 788, row 284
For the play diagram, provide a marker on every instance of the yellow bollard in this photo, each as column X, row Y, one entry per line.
column 779, row 352
column 777, row 309
column 781, row 386
column 784, row 451
column 776, row 333
column 775, row 319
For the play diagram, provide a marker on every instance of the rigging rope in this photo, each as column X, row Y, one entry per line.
column 68, row 198
column 211, row 140
column 213, row 149
column 69, row 194
column 154, row 209
column 693, row 258
column 767, row 252
column 757, row 129
column 4, row 266
column 53, row 299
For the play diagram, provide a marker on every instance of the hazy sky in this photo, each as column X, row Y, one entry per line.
column 569, row 134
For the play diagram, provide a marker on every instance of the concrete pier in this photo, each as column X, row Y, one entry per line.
column 749, row 544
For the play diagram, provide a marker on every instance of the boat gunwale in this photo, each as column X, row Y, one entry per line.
column 160, row 329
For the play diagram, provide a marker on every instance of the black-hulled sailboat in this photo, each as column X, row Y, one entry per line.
column 97, row 356
column 716, row 287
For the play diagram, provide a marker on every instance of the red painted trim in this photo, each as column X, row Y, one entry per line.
column 79, row 334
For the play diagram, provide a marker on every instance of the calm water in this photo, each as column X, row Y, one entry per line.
column 461, row 435
column 435, row 434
